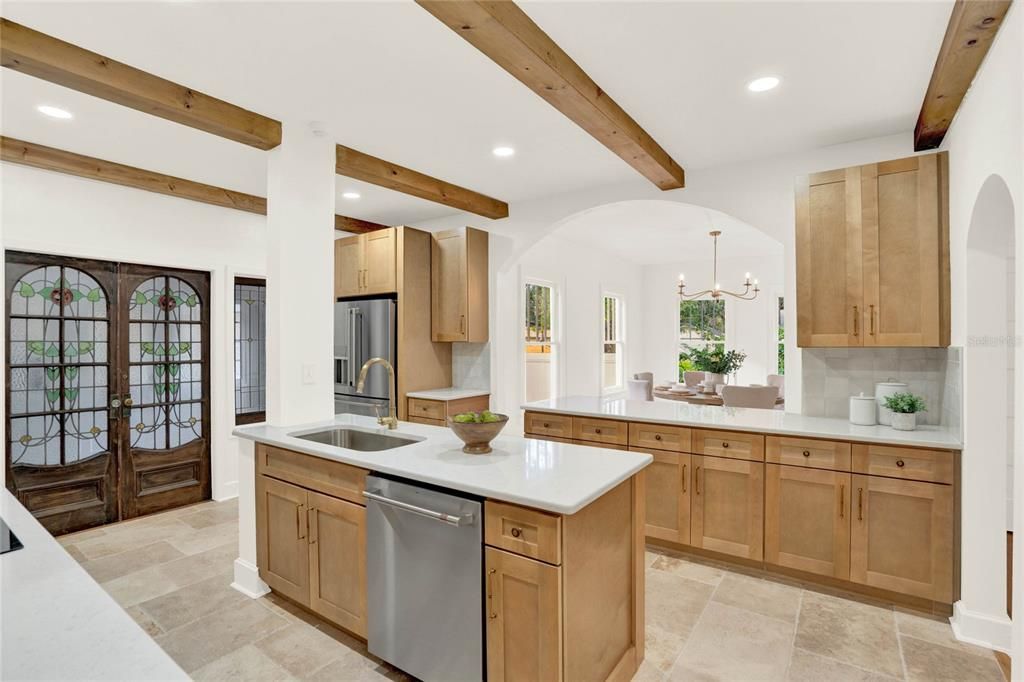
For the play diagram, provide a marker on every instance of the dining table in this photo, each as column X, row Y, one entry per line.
column 696, row 397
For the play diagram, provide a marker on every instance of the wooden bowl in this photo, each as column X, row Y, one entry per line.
column 478, row 436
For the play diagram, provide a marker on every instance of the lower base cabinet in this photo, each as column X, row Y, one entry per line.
column 668, row 496
column 727, row 506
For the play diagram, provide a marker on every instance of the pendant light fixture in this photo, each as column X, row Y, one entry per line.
column 750, row 288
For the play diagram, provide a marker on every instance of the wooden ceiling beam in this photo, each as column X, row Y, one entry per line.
column 69, row 163
column 973, row 25
column 503, row 32
column 355, row 164
column 51, row 59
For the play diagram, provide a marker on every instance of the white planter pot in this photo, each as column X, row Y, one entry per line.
column 711, row 379
column 904, row 421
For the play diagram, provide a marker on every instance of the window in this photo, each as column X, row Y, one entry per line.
column 250, row 350
column 782, row 337
column 540, row 347
column 701, row 323
column 613, row 365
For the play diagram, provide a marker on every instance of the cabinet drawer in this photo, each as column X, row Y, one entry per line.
column 806, row 452
column 600, row 431
column 430, row 422
column 426, row 409
column 730, row 444
column 475, row 404
column 529, row 532
column 935, row 466
column 659, row 437
column 324, row 475
column 544, row 424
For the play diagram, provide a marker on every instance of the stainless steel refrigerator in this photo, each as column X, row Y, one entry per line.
column 362, row 330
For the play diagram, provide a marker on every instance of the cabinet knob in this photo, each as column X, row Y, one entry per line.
column 516, row 532
column 807, row 453
column 900, row 463
column 724, row 444
column 597, row 430
column 657, row 436
column 547, row 426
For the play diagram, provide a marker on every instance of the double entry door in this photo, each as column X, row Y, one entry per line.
column 108, row 412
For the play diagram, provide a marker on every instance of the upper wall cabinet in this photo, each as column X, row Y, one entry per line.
column 458, row 268
column 365, row 264
column 872, row 247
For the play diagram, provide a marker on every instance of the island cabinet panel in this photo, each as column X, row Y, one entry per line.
column 604, row 431
column 337, row 541
column 659, row 437
column 914, row 464
column 524, row 618
column 282, row 547
column 731, row 444
column 334, row 478
column 545, row 424
column 808, row 452
column 807, row 520
column 435, row 412
column 668, row 496
column 529, row 532
column 727, row 506
column 902, row 536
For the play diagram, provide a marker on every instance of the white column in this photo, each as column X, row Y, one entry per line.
column 300, row 276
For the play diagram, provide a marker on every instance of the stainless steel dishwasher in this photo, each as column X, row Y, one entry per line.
column 424, row 575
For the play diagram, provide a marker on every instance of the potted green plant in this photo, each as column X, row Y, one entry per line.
column 715, row 362
column 905, row 407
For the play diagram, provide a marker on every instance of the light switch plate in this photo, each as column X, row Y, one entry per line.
column 308, row 373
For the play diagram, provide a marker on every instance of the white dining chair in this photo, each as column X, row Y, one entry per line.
column 750, row 396
column 640, row 389
column 692, row 379
column 778, row 381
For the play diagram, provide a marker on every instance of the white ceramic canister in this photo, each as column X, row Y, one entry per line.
column 863, row 410
column 883, row 390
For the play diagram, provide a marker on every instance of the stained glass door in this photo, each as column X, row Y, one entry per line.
column 62, row 448
column 165, row 378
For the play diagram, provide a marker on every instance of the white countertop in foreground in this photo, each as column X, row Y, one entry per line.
column 448, row 393
column 57, row 623
column 745, row 419
column 556, row 477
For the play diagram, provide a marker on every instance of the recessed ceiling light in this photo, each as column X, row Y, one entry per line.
column 53, row 112
column 762, row 84
column 503, row 152
column 350, row 195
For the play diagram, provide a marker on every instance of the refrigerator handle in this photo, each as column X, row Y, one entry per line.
column 352, row 346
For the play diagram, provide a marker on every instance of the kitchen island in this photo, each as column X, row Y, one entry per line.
column 562, row 585
column 864, row 508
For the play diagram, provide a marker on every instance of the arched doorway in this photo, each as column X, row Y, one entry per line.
column 988, row 401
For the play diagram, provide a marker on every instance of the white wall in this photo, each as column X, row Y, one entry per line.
column 749, row 325
column 53, row 213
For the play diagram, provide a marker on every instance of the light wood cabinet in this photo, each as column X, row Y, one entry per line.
column 337, row 561
column 902, row 536
column 668, row 496
column 727, row 506
column 459, row 286
column 366, row 264
column 282, row 545
column 807, row 520
column 436, row 412
column 524, row 618
column 872, row 247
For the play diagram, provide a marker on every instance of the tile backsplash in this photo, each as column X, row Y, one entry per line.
column 471, row 365
column 831, row 375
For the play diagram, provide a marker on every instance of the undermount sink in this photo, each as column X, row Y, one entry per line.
column 357, row 439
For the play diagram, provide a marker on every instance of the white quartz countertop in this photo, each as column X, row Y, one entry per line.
column 448, row 393
column 556, row 477
column 57, row 623
column 745, row 419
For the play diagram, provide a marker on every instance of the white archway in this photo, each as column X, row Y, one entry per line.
column 988, row 400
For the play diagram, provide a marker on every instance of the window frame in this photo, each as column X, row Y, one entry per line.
column 555, row 319
column 258, row 415
column 778, row 345
column 725, row 326
column 619, row 341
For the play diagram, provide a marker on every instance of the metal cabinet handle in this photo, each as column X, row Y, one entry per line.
column 657, row 436
column 842, row 501
column 517, row 532
column 900, row 463
column 300, row 516
column 464, row 520
column 313, row 524
column 696, row 479
column 860, row 504
column 684, row 478
column 856, row 322
column 490, row 594
column 871, row 319
column 462, row 324
column 547, row 425
column 597, row 431
column 807, row 453
column 724, row 444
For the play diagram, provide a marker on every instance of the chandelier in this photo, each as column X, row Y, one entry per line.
column 748, row 293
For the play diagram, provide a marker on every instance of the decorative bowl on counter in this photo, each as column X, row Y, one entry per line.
column 477, row 435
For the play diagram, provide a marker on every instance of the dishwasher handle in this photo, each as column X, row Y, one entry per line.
column 463, row 520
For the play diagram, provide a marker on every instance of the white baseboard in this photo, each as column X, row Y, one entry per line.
column 991, row 632
column 248, row 581
column 226, row 491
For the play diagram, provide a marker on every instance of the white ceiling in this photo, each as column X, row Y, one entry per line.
column 663, row 232
column 389, row 79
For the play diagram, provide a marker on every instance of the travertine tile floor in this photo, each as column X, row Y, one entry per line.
column 172, row 573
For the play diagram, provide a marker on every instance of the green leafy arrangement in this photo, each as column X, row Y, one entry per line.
column 485, row 417
column 905, row 403
column 715, row 359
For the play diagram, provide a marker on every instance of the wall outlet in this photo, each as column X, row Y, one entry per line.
column 308, row 373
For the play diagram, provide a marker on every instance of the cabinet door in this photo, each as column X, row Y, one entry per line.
column 668, row 496
column 828, row 259
column 904, row 249
column 807, row 520
column 348, row 266
column 337, row 561
column 524, row 618
column 450, row 288
column 379, row 272
column 902, row 537
column 282, row 549
column 727, row 506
